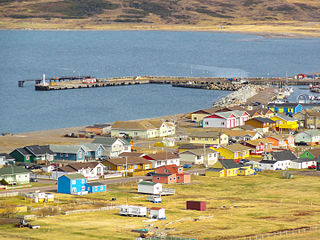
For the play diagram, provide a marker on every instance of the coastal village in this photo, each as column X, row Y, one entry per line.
column 162, row 175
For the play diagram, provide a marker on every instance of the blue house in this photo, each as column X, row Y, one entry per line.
column 68, row 152
column 94, row 187
column 287, row 108
column 93, row 150
column 73, row 183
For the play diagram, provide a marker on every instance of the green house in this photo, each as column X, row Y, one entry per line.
column 21, row 155
column 311, row 153
column 14, row 174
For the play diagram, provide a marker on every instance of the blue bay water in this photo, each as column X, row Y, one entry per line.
column 29, row 54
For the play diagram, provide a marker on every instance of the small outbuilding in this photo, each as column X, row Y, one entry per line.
column 196, row 205
column 94, row 187
column 149, row 187
column 157, row 213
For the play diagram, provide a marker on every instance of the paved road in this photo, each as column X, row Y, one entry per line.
column 106, row 181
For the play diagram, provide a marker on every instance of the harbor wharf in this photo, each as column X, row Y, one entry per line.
column 214, row 83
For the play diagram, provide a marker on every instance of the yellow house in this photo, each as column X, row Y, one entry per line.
column 246, row 171
column 143, row 128
column 224, row 168
column 285, row 123
column 234, row 151
column 229, row 168
column 198, row 116
column 208, row 137
column 130, row 164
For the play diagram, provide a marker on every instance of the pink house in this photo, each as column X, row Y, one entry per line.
column 171, row 174
column 228, row 119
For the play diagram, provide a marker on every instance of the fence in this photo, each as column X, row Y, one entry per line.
column 91, row 210
column 283, row 233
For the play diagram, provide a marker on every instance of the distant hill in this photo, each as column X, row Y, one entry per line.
column 170, row 12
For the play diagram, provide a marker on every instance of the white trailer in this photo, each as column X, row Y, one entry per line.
column 149, row 187
column 157, row 213
column 154, row 198
column 133, row 211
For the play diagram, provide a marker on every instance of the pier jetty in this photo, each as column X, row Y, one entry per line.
column 213, row 83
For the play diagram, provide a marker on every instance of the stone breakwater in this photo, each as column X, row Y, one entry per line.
column 238, row 97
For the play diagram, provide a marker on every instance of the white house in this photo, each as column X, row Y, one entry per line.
column 277, row 160
column 162, row 159
column 228, row 119
column 149, row 187
column 302, row 163
column 275, row 165
column 113, row 146
column 199, row 156
column 90, row 170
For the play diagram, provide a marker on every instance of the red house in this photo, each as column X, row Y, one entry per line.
column 171, row 174
column 258, row 146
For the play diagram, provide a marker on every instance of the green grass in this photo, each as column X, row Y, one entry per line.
column 236, row 206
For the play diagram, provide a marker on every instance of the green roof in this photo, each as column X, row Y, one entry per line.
column 15, row 170
column 147, row 183
column 74, row 176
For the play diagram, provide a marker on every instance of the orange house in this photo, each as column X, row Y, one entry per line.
column 171, row 174
column 281, row 141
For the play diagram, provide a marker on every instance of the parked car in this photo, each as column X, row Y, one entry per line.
column 186, row 166
column 312, row 167
column 33, row 180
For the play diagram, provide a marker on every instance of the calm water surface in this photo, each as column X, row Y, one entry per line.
column 29, row 54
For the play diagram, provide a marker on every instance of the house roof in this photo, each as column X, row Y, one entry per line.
column 39, row 150
column 80, row 165
column 172, row 169
column 23, row 151
column 128, row 160
column 189, row 146
column 280, row 137
column 73, row 176
column 284, row 117
column 229, row 163
column 7, row 156
column 161, row 156
column 138, row 125
column 65, row 148
column 283, row 155
column 257, row 141
column 95, row 184
column 312, row 132
column 206, row 134
column 236, row 147
column 14, row 169
column 108, row 141
column 198, row 152
column 91, row 146
column 283, row 104
column 268, row 161
column 147, row 183
column 131, row 154
column 263, row 120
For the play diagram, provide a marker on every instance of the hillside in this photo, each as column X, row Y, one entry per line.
column 284, row 16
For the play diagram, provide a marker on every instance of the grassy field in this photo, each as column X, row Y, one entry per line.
column 236, row 206
column 290, row 18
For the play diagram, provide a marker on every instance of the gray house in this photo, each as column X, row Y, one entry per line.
column 15, row 175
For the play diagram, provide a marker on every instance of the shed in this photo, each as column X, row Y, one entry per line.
column 196, row 205
column 94, row 187
column 149, row 187
column 157, row 213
